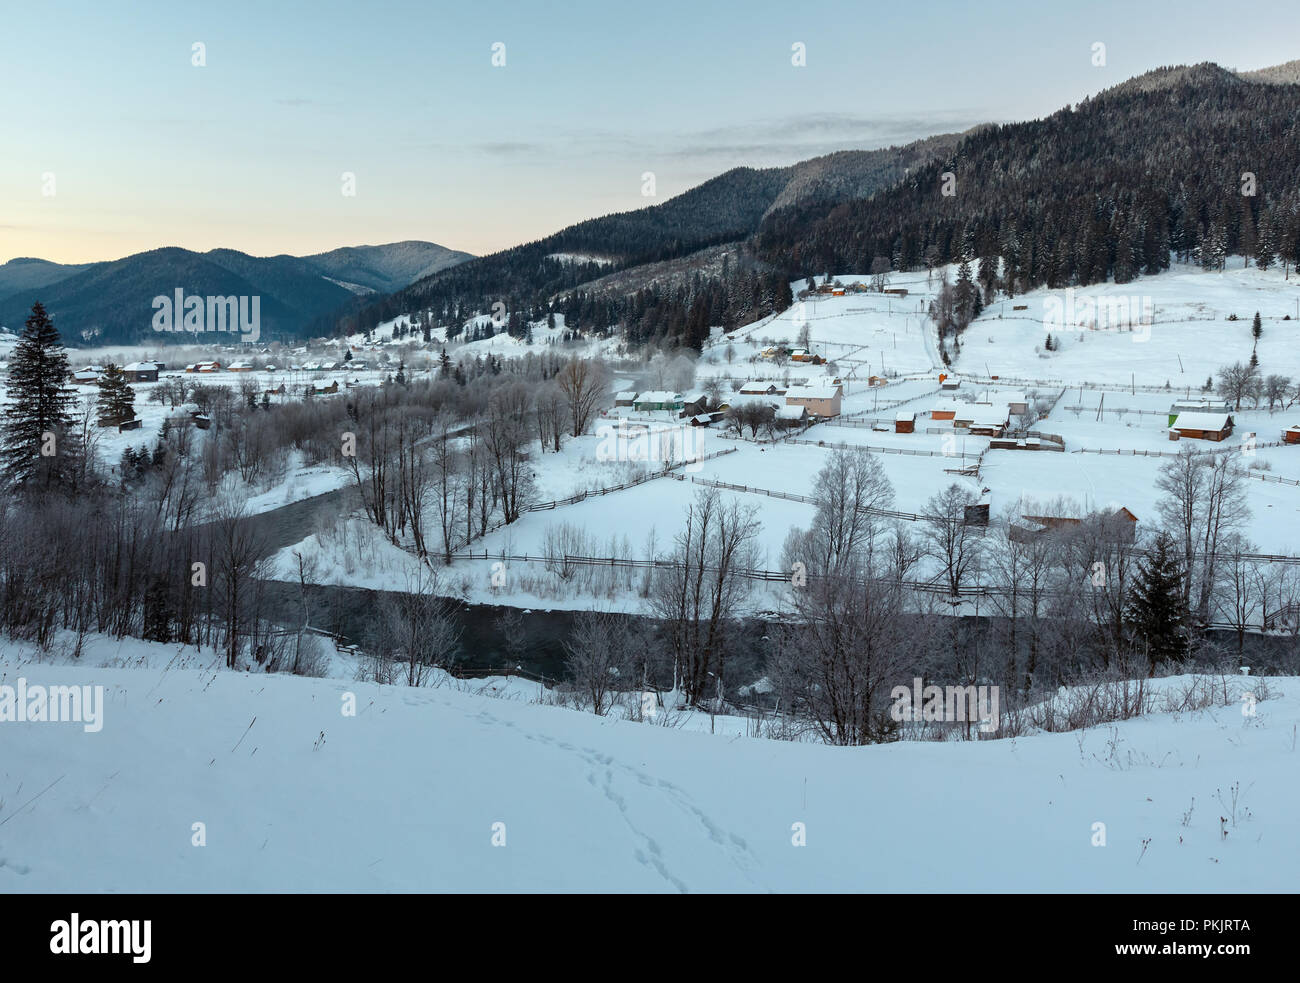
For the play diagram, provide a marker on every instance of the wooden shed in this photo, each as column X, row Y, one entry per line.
column 1201, row 426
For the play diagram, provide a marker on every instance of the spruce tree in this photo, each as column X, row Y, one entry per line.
column 37, row 440
column 116, row 398
column 1256, row 327
column 967, row 297
column 1156, row 613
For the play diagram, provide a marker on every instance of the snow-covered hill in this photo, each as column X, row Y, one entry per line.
column 1186, row 338
column 411, row 792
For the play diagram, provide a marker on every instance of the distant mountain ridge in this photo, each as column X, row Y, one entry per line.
column 27, row 273
column 728, row 208
column 111, row 302
column 1105, row 189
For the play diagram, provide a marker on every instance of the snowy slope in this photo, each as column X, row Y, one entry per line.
column 1189, row 340
column 404, row 797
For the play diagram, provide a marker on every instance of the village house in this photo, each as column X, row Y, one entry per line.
column 1201, row 426
column 204, row 367
column 240, row 367
column 822, row 399
column 694, row 404
column 85, row 377
column 626, row 398
column 877, row 380
column 949, row 383
column 1291, row 435
column 140, row 372
column 657, row 399
column 756, row 387
column 905, row 421
column 324, row 389
column 987, row 421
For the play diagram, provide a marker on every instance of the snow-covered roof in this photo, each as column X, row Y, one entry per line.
column 905, row 415
column 791, row 412
column 758, row 386
column 658, row 396
column 813, row 390
column 625, row 397
column 983, row 416
column 1201, row 421
column 140, row 367
column 752, row 399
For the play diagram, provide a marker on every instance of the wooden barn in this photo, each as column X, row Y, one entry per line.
column 140, row 372
column 1122, row 521
column 944, row 410
column 1201, row 426
column 905, row 421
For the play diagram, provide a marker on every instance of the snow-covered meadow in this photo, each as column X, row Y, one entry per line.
column 203, row 779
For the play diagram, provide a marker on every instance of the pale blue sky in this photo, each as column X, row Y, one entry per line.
column 147, row 150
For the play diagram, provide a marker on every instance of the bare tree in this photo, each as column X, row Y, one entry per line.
column 1237, row 382
column 950, row 538
column 1203, row 504
column 549, row 410
column 697, row 594
column 1276, row 388
column 583, row 383
column 1237, row 595
column 417, row 628
column 596, row 654
column 449, row 490
column 505, row 438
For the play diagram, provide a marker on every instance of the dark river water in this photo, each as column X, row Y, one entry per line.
column 535, row 642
